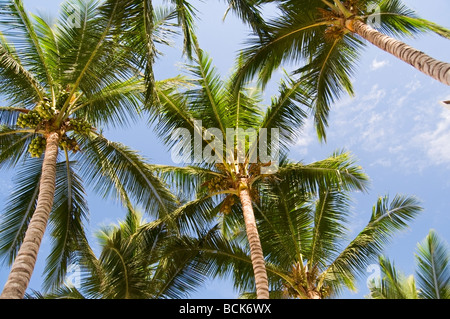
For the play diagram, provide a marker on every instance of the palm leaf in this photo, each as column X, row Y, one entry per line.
column 114, row 105
column 339, row 170
column 13, row 145
column 20, row 28
column 433, row 272
column 20, row 85
column 19, row 209
column 386, row 219
column 66, row 223
column 393, row 284
column 118, row 166
column 327, row 75
column 330, row 215
column 399, row 20
column 286, row 221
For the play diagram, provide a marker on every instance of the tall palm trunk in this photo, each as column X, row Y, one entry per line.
column 25, row 261
column 256, row 253
column 436, row 69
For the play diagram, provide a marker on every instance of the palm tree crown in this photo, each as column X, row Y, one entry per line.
column 323, row 40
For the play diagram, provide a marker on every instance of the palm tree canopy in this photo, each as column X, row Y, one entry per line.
column 184, row 102
column 313, row 37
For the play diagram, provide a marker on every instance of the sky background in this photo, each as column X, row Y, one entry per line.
column 394, row 125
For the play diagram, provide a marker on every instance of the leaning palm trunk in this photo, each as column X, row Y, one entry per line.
column 256, row 253
column 436, row 69
column 25, row 261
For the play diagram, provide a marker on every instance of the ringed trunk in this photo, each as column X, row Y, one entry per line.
column 256, row 252
column 438, row 70
column 312, row 294
column 25, row 261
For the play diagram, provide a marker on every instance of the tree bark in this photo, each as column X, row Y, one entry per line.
column 438, row 70
column 25, row 261
column 312, row 294
column 256, row 252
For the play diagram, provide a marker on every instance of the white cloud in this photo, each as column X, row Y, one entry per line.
column 383, row 162
column 403, row 127
column 378, row 64
column 436, row 142
column 307, row 137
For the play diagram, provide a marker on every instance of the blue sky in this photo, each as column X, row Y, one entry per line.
column 394, row 125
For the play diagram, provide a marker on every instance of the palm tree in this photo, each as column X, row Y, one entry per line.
column 227, row 178
column 325, row 37
column 60, row 83
column 433, row 274
column 305, row 236
column 134, row 263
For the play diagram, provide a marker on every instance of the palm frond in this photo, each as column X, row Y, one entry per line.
column 21, row 30
column 19, row 84
column 286, row 113
column 284, row 41
column 186, row 14
column 66, row 223
column 327, row 75
column 387, row 218
column 13, row 145
column 114, row 105
column 433, row 267
column 393, row 284
column 330, row 217
column 339, row 170
column 286, row 220
column 208, row 97
column 9, row 115
column 19, row 209
column 193, row 216
column 249, row 12
column 117, row 165
column 399, row 20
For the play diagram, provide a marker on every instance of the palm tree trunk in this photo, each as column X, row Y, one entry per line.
column 312, row 294
column 256, row 253
column 436, row 69
column 25, row 261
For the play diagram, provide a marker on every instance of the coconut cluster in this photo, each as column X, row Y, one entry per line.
column 80, row 127
column 37, row 147
column 41, row 118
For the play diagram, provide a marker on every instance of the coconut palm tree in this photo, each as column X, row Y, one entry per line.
column 226, row 178
column 61, row 83
column 305, row 237
column 432, row 271
column 134, row 263
column 323, row 40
